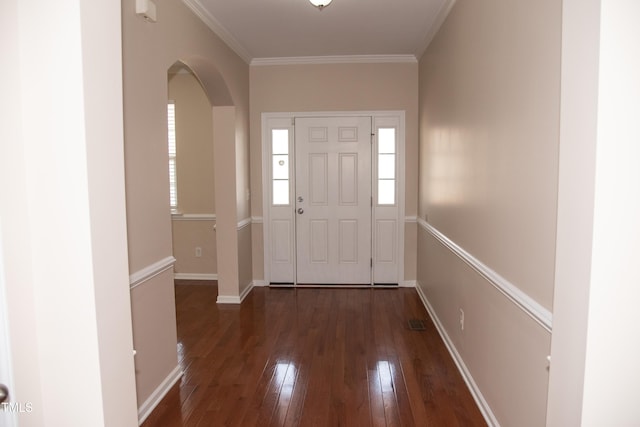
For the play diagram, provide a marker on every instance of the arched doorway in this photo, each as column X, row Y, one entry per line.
column 222, row 136
column 191, row 177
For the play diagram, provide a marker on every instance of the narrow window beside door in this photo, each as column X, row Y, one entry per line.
column 386, row 166
column 280, row 166
column 173, row 183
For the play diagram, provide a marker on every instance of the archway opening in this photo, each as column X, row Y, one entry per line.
column 221, row 224
column 191, row 177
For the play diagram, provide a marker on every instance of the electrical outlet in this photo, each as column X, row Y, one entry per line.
column 461, row 319
column 198, row 252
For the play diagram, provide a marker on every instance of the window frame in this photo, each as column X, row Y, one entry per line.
column 272, row 180
column 378, row 154
column 172, row 150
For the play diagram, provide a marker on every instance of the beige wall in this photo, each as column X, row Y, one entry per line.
column 334, row 87
column 149, row 49
column 154, row 332
column 489, row 123
column 195, row 177
column 189, row 235
column 489, row 108
column 503, row 349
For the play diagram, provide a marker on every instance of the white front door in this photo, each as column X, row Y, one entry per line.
column 333, row 200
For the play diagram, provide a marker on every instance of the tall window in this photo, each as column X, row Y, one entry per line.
column 386, row 166
column 280, row 166
column 173, row 183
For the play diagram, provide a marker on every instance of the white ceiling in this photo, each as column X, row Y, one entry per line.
column 261, row 29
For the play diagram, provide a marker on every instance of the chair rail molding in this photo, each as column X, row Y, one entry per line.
column 195, row 276
column 243, row 223
column 150, row 271
column 527, row 304
column 193, row 217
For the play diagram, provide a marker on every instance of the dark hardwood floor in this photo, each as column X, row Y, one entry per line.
column 312, row 357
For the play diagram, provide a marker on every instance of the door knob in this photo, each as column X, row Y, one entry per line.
column 4, row 393
column 300, row 211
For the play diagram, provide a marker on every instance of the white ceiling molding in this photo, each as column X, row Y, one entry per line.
column 196, row 6
column 218, row 29
column 435, row 26
column 340, row 59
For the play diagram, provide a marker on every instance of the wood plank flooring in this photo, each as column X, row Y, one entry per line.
column 311, row 357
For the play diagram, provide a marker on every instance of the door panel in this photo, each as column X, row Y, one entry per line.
column 318, row 179
column 348, row 241
column 348, row 177
column 319, row 241
column 281, row 241
column 333, row 200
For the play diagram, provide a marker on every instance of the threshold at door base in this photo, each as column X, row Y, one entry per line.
column 333, row 286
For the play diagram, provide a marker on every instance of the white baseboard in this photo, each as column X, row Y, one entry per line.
column 195, row 276
column 407, row 284
column 231, row 299
column 260, row 283
column 484, row 407
column 246, row 291
column 224, row 299
column 158, row 394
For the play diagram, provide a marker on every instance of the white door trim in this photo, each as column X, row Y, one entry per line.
column 285, row 120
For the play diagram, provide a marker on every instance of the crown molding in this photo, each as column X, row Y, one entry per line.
column 218, row 29
column 439, row 19
column 336, row 59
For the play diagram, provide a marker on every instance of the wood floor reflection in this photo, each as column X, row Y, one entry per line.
column 311, row 357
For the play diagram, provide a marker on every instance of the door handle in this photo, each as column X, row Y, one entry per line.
column 4, row 393
column 300, row 211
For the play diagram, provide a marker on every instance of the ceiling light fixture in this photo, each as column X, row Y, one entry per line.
column 320, row 4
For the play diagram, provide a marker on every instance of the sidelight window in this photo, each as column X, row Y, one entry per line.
column 173, row 182
column 280, row 166
column 386, row 192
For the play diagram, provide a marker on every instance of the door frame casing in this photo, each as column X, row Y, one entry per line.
column 382, row 117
